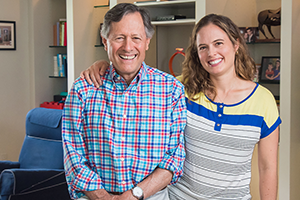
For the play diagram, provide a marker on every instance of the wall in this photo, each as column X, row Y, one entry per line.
column 15, row 81
column 43, row 15
column 289, row 176
column 24, row 75
column 87, row 20
column 295, row 99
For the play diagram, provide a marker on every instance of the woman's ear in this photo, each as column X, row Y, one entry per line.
column 237, row 44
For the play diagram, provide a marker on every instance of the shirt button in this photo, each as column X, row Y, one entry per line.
column 123, row 139
column 123, row 182
column 122, row 159
column 124, row 116
column 218, row 124
column 219, row 115
column 221, row 106
column 126, row 94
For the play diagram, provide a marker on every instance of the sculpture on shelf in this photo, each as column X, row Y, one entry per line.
column 269, row 18
column 178, row 51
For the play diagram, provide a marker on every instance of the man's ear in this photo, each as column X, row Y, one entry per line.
column 147, row 43
column 104, row 41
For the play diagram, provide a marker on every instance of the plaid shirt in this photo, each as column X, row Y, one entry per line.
column 116, row 135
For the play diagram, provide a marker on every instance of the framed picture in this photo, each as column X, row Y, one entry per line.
column 250, row 34
column 7, row 35
column 270, row 69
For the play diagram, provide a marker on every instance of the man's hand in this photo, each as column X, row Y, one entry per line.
column 125, row 196
column 98, row 195
column 93, row 73
column 104, row 195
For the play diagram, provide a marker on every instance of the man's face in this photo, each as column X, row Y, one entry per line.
column 126, row 45
column 249, row 31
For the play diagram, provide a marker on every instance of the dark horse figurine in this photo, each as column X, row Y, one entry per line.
column 269, row 18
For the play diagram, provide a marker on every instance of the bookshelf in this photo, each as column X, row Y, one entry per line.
column 164, row 42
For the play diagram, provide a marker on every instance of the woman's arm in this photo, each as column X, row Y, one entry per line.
column 93, row 73
column 276, row 75
column 267, row 165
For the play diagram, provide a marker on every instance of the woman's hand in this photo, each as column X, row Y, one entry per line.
column 94, row 72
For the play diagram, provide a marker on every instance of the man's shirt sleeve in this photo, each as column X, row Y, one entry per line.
column 175, row 155
column 79, row 173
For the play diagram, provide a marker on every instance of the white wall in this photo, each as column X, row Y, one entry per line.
column 289, row 175
column 85, row 23
column 15, row 81
column 43, row 15
column 24, row 75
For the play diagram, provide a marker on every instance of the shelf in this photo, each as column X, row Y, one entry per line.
column 265, row 42
column 173, row 4
column 58, row 46
column 99, row 45
column 102, row 6
column 175, row 22
column 57, row 77
column 168, row 8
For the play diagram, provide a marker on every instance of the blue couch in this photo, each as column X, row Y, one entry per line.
column 39, row 174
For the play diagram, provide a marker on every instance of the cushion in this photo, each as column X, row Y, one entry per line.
column 44, row 122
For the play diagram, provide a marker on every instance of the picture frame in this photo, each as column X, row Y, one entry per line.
column 250, row 34
column 270, row 69
column 7, row 35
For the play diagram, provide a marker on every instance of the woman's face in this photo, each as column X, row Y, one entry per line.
column 215, row 50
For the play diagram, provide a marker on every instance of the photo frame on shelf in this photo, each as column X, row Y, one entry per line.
column 7, row 35
column 270, row 69
column 250, row 34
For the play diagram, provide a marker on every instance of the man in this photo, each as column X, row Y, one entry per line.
column 251, row 37
column 124, row 139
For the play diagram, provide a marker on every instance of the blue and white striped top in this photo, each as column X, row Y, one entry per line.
column 220, row 140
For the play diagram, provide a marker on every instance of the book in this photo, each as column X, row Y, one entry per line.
column 59, row 64
column 62, row 34
column 55, row 72
column 57, row 33
column 65, row 35
column 62, row 65
column 65, row 66
column 61, row 31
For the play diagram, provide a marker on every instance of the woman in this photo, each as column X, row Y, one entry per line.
column 277, row 70
column 228, row 115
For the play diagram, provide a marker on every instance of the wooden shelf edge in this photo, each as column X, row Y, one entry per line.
column 175, row 22
column 57, row 77
column 57, row 46
column 155, row 3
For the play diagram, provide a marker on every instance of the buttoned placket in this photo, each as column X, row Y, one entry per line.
column 220, row 112
column 122, row 138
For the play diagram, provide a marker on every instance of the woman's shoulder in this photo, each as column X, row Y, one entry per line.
column 263, row 92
